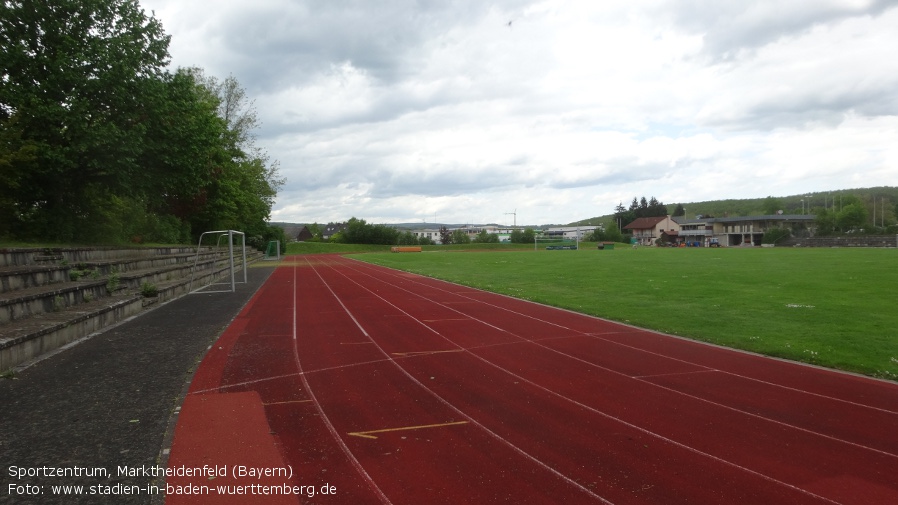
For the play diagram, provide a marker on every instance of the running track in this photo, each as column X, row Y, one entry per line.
column 396, row 388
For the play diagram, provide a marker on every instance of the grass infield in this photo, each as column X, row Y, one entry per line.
column 829, row 307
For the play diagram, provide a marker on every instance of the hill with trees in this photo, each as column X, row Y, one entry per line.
column 857, row 207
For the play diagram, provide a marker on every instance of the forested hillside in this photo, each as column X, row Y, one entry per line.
column 884, row 211
column 100, row 142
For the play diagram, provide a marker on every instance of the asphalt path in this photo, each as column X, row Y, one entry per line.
column 74, row 418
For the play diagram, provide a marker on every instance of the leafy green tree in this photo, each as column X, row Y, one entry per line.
column 851, row 216
column 460, row 237
column 485, row 237
column 360, row 232
column 243, row 181
column 17, row 158
column 74, row 76
column 612, row 234
column 771, row 205
column 525, row 236
column 825, row 221
column 679, row 210
column 184, row 152
column 407, row 238
column 315, row 230
column 774, row 235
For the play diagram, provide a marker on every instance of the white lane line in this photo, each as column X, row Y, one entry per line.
column 327, row 422
column 645, row 430
column 445, row 402
column 621, row 344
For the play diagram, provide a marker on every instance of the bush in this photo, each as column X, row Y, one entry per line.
column 148, row 290
column 774, row 235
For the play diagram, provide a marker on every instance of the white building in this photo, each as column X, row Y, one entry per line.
column 570, row 232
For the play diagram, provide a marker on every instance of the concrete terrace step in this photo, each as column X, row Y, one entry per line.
column 29, row 338
column 43, row 299
column 10, row 257
column 131, row 263
column 39, row 299
column 42, row 309
column 14, row 278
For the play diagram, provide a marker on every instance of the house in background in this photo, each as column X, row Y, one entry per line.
column 570, row 232
column 296, row 232
column 331, row 229
column 696, row 231
column 430, row 233
column 304, row 234
column 646, row 230
column 743, row 230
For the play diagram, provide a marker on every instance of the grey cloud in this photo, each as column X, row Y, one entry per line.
column 824, row 105
column 289, row 44
column 732, row 27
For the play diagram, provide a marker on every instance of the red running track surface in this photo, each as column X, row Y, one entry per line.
column 380, row 386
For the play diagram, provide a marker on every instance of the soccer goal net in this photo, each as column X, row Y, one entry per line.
column 273, row 251
column 553, row 243
column 216, row 263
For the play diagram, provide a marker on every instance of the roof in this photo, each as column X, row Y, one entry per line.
column 766, row 217
column 644, row 223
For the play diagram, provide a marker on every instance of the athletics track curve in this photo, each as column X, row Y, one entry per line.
column 379, row 386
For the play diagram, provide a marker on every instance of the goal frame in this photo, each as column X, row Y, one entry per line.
column 221, row 233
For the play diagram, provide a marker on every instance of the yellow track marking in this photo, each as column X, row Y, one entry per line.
column 422, row 353
column 368, row 434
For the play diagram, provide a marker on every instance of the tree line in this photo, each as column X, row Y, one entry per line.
column 359, row 231
column 100, row 142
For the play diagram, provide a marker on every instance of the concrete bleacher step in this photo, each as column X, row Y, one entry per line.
column 49, row 298
column 22, row 277
column 27, row 339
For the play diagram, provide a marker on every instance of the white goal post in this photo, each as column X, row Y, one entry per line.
column 221, row 234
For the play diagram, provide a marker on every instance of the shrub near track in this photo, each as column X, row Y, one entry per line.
column 829, row 307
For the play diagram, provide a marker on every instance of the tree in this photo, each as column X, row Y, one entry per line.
column 184, row 150
column 315, row 230
column 242, row 191
column 74, row 76
column 17, row 158
column 772, row 205
column 460, row 237
column 612, row 233
column 679, row 210
column 407, row 238
column 445, row 236
column 851, row 216
column 825, row 221
column 485, row 237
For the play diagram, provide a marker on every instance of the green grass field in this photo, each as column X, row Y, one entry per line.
column 830, row 307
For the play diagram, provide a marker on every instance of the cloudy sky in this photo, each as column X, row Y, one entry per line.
column 465, row 111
